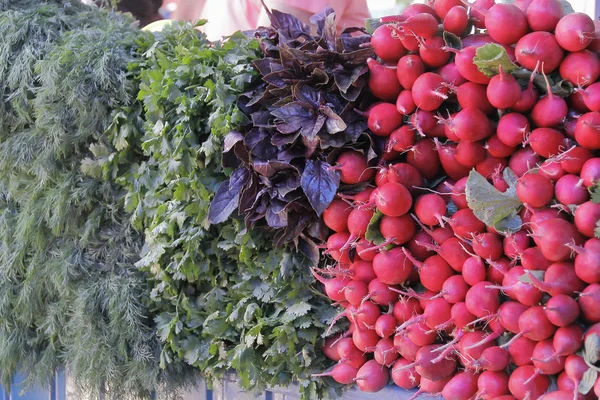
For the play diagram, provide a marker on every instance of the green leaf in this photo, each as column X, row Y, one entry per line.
column 489, row 204
column 373, row 234
column 587, row 381
column 297, row 310
column 490, row 57
column 591, row 352
column 595, row 192
column 597, row 230
column 451, row 40
column 537, row 274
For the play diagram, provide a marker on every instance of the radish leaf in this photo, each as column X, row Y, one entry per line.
column 490, row 57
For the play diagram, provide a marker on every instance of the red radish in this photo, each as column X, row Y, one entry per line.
column 534, row 325
column 334, row 288
column 581, row 68
column 562, row 310
column 437, row 311
column 487, row 245
column 543, row 15
column 473, row 270
column 588, row 302
column 429, row 92
column 362, row 269
column 529, row 96
column 448, row 158
column 587, row 261
column 383, row 82
column 402, row 139
column 385, row 353
column 539, row 47
column 558, row 395
column 473, row 344
column 462, row 386
column 360, row 197
column 477, row 18
column 587, row 130
column 458, row 192
column 427, row 368
column 451, row 75
column 424, row 122
column 381, row 178
column 490, row 166
column 526, row 294
column 470, row 154
column 575, row 367
column 523, row 160
column 422, row 25
column 469, row 124
column 546, row 142
column 393, row 199
column 405, row 378
column 525, row 384
column 353, row 168
column 330, row 347
column 493, row 358
column 492, row 384
column 464, row 64
column 560, row 278
column 523, row 4
column 570, row 190
column 550, row 110
column 498, row 269
column 553, row 236
column 424, row 157
column 430, row 208
column 545, row 214
column 420, row 334
column 456, row 20
column 350, row 354
column 577, row 104
column 512, row 128
column 521, row 350
column 432, row 52
column 380, row 293
column 417, row 8
column 481, row 301
column 535, row 190
column 453, row 251
column 574, row 159
column 431, row 387
column 366, row 314
column 551, row 169
column 358, row 222
column 408, row 69
column 497, row 149
column 384, row 118
column 342, row 373
column 405, row 347
column 372, row 377
column 567, row 340
column 515, row 244
column 420, row 252
column 433, row 271
column 336, row 216
column 591, row 95
column 499, row 17
column 406, row 175
column 460, row 317
column 386, row 44
column 544, row 359
column 590, row 172
column 335, row 247
column 405, row 104
column 397, row 230
column 471, row 94
column 355, row 291
column 443, row 7
column 575, row 31
column 503, row 91
column 454, row 289
column 497, row 178
column 365, row 339
column 409, row 41
column 391, row 266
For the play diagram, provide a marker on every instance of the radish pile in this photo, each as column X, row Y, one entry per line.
column 468, row 262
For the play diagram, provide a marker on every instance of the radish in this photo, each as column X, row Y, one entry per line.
column 391, row 266
column 515, row 244
column 469, row 154
column 385, row 353
column 553, row 236
column 452, row 251
column 420, row 334
column 365, row 339
column 416, row 8
column 590, row 172
column 380, row 293
column 424, row 157
column 334, row 288
column 570, row 190
column 535, row 190
column 353, row 168
column 575, row 31
column 497, row 149
column 521, row 351
column 451, row 75
column 543, row 15
column 487, row 245
column 575, row 367
column 437, row 311
column 350, row 354
column 443, row 7
column 336, row 216
column 386, row 44
column 397, row 230
column 529, row 96
column 515, row 289
column 430, row 208
column 372, row 377
column 460, row 317
column 560, row 278
column 567, row 340
column 562, row 310
column 432, row 52
column 355, row 291
column 449, row 159
column 576, row 103
column 457, row 191
column 464, row 64
column 469, row 124
column 384, row 118
column 392, row 199
column 512, row 128
column 477, row 18
column 383, row 82
column 362, row 269
column 473, row 270
column 525, row 384
column 498, row 269
column 581, row 68
column 572, row 160
column 358, row 222
column 408, row 69
column 534, row 325
column 335, row 247
column 497, row 178
column 431, row 387
column 523, row 160
column 406, row 308
column 523, row 4
column 402, row 139
column 433, row 271
column 342, row 373
column 550, row 110
column 366, row 315
column 405, row 378
column 493, row 358
column 462, row 386
column 427, row 368
column 588, row 302
column 558, row 395
column 429, row 92
column 406, row 175
column 591, row 95
column 545, row 360
column 422, row 25
column 551, row 169
column 539, row 47
column 424, row 122
column 546, row 142
column 456, row 20
column 420, row 252
column 473, row 344
column 499, row 17
column 544, row 215
column 481, row 301
column 405, row 106
column 587, row 130
column 503, row 91
column 330, row 347
column 405, row 347
column 473, row 95
column 454, row 289
column 587, row 261
column 492, row 384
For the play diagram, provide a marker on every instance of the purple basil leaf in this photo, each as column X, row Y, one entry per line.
column 290, row 26
column 304, row 93
column 320, row 183
column 296, row 116
column 269, row 168
column 352, row 43
column 261, row 119
column 330, row 31
column 289, row 184
column 345, row 78
column 276, row 219
column 231, row 139
column 334, row 123
column 258, row 141
column 223, row 204
column 309, row 249
column 319, row 19
column 239, row 179
column 281, row 140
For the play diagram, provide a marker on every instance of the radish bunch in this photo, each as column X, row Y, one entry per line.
column 435, row 298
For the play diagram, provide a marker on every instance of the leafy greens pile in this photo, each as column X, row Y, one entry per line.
column 301, row 113
column 224, row 299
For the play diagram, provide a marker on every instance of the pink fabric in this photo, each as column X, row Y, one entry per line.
column 227, row 16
